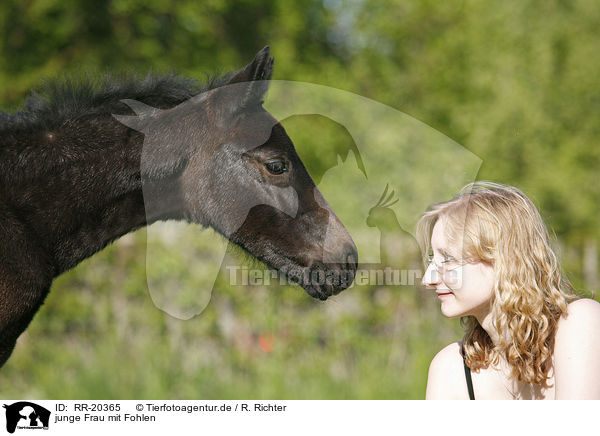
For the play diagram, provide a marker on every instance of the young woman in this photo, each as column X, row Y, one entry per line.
column 527, row 336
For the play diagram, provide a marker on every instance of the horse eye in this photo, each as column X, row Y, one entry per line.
column 276, row 167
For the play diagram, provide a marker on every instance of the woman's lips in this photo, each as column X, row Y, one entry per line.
column 442, row 295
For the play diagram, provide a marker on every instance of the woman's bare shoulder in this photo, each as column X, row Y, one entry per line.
column 581, row 314
column 446, row 379
column 584, row 306
column 577, row 351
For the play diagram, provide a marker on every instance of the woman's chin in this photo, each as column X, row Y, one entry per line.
column 450, row 311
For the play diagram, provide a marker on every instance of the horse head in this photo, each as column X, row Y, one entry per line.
column 237, row 171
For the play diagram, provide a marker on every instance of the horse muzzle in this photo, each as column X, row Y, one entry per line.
column 322, row 280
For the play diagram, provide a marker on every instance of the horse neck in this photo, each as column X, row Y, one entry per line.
column 82, row 188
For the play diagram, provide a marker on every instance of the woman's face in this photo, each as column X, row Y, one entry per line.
column 464, row 287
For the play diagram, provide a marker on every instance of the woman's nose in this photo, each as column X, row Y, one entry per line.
column 431, row 277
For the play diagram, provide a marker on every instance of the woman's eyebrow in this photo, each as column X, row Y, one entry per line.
column 444, row 253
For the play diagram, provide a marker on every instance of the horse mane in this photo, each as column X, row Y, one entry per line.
column 70, row 97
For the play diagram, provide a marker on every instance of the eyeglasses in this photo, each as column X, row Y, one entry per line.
column 448, row 264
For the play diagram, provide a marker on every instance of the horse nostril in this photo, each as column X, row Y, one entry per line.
column 351, row 258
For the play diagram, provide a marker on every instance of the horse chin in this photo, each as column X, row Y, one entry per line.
column 316, row 293
column 320, row 281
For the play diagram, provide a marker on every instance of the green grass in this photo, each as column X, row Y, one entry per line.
column 99, row 336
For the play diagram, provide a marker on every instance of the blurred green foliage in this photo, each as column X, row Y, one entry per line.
column 514, row 82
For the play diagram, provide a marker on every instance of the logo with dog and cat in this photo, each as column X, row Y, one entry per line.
column 25, row 415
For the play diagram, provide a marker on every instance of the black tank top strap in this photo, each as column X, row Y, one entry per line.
column 467, row 373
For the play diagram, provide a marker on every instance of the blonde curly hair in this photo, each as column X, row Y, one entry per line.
column 500, row 226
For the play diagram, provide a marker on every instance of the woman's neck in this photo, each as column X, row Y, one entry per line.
column 485, row 321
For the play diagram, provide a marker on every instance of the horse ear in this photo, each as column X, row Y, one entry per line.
column 165, row 146
column 140, row 108
column 261, row 68
column 130, row 121
column 142, row 114
column 256, row 74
